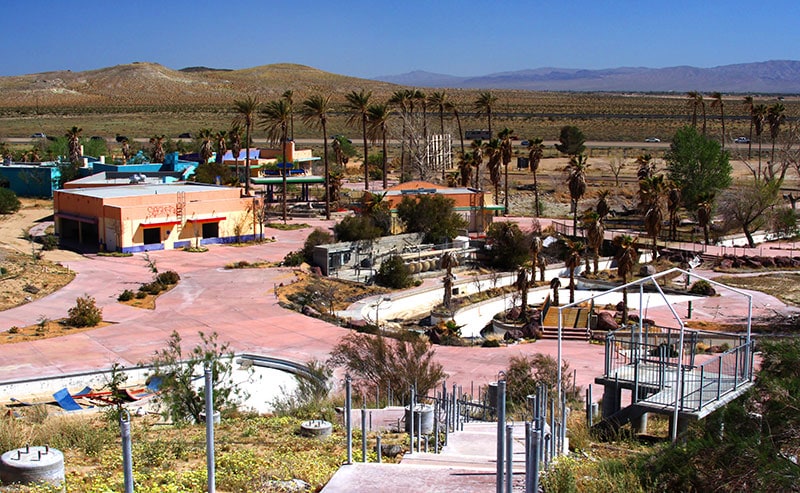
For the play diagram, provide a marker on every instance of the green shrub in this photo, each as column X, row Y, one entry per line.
column 702, row 287
column 140, row 295
column 168, row 278
column 394, row 273
column 317, row 237
column 126, row 295
column 9, row 203
column 490, row 343
column 85, row 313
column 3, row 271
column 49, row 242
column 293, row 259
column 153, row 288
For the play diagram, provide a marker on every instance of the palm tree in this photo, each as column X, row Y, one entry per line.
column 484, row 105
column 626, row 258
column 448, row 261
column 594, row 234
column 315, row 113
column 235, row 137
column 536, row 250
column 775, row 119
column 438, row 99
column 555, row 283
column 206, row 147
column 288, row 96
column 602, row 206
column 477, row 159
column 645, row 166
column 378, row 117
column 505, row 151
column 493, row 152
column 246, row 110
column 572, row 262
column 651, row 193
column 126, row 150
column 523, row 284
column 73, row 136
column 716, row 101
column 221, row 143
column 275, row 117
column 452, row 107
column 465, row 168
column 696, row 101
column 418, row 96
column 157, row 141
column 358, row 105
column 758, row 118
column 402, row 100
column 748, row 104
column 673, row 206
column 704, row 207
column 535, row 155
column 576, row 182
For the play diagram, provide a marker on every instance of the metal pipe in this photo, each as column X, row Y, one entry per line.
column 210, row 430
column 501, row 419
column 348, row 395
column 364, row 433
column 436, row 426
column 411, row 424
column 536, row 454
column 528, row 459
column 509, row 457
column 127, row 461
column 378, row 447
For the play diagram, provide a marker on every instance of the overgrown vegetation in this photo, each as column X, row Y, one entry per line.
column 85, row 313
column 9, row 203
column 394, row 273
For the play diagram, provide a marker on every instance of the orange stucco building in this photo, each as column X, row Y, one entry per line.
column 145, row 217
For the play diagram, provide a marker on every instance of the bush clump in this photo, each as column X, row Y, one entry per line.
column 394, row 273
column 9, row 203
column 49, row 242
column 85, row 313
column 152, row 287
column 293, row 259
column 140, row 295
column 126, row 295
column 168, row 278
column 703, row 288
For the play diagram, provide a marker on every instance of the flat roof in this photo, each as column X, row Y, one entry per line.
column 277, row 180
column 143, row 189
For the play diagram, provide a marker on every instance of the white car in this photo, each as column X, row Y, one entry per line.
column 652, row 139
column 741, row 140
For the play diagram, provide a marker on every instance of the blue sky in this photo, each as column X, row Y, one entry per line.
column 372, row 38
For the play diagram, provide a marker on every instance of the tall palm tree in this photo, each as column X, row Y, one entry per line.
column 775, row 119
column 696, row 101
column 235, row 143
column 704, row 207
column 484, row 105
column 477, row 159
column 572, row 262
column 206, row 136
column 275, row 118
column 157, row 141
column 465, row 168
column 535, row 155
column 536, row 250
column 555, row 283
column 505, row 151
column 673, row 206
column 450, row 106
column 602, row 206
column 221, row 143
column 594, row 234
column 315, row 113
column 651, row 193
column 448, row 261
column 626, row 258
column 73, row 136
column 758, row 118
column 378, row 117
column 246, row 110
column 494, row 153
column 645, row 168
column 576, row 182
column 126, row 150
column 523, row 284
column 716, row 101
column 288, row 96
column 748, row 104
column 357, row 103
column 402, row 101
column 438, row 99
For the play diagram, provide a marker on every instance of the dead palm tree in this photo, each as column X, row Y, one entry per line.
column 602, row 207
column 626, row 258
column 378, row 119
column 315, row 113
column 572, row 262
column 275, row 117
column 157, row 141
column 73, row 136
column 576, row 182
column 595, row 231
column 748, row 104
column 505, row 152
column 555, row 283
column 673, row 206
column 775, row 118
column 126, row 151
column 716, row 101
column 246, row 110
column 535, row 155
column 523, row 284
column 645, row 168
column 357, row 103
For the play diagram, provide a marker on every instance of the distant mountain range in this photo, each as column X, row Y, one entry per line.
column 776, row 76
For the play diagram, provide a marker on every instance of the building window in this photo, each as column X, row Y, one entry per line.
column 152, row 236
column 210, row 230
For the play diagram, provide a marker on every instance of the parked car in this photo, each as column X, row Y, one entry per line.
column 525, row 143
column 185, row 135
column 741, row 140
column 96, row 137
column 38, row 135
column 652, row 139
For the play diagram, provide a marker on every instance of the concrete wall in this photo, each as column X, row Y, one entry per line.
column 31, row 180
